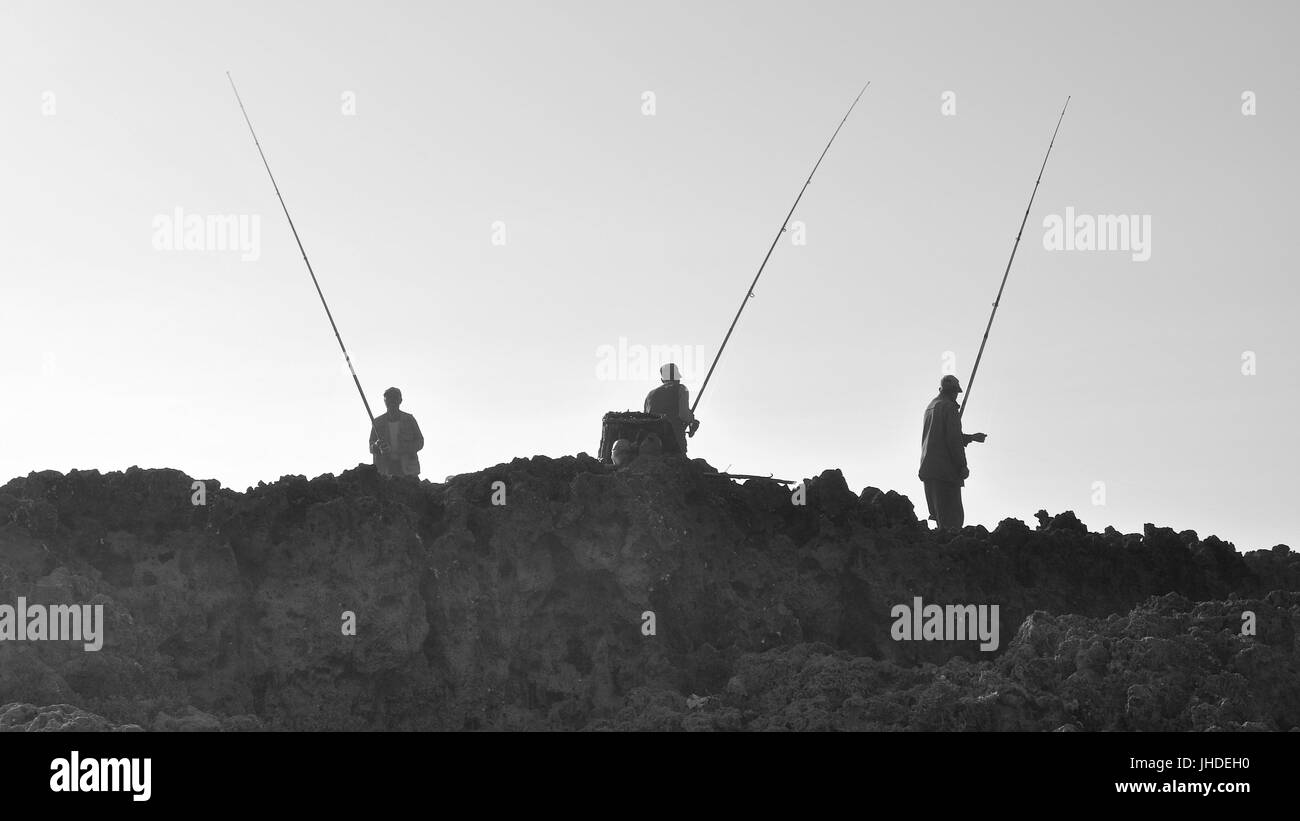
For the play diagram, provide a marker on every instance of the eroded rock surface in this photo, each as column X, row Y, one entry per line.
column 529, row 614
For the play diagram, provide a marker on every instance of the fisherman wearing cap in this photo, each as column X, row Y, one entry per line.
column 943, row 456
column 395, row 439
column 672, row 400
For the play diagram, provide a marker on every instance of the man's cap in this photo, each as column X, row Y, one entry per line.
column 669, row 373
column 949, row 381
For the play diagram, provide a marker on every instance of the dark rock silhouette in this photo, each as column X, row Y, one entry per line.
column 528, row 615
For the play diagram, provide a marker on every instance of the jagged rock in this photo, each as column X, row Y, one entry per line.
column 886, row 508
column 56, row 718
column 830, row 494
column 1063, row 521
column 1011, row 533
column 192, row 721
column 470, row 614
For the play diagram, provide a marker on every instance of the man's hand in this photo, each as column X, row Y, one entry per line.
column 978, row 437
column 694, row 426
column 965, row 473
column 382, row 446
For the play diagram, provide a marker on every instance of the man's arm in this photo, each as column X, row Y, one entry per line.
column 419, row 437
column 953, row 435
column 684, row 411
column 966, row 438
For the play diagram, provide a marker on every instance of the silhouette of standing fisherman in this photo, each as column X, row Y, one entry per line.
column 673, row 401
column 395, row 439
column 943, row 456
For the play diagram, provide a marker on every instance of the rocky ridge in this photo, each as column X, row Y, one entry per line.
column 532, row 614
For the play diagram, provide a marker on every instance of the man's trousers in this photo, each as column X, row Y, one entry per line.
column 944, row 501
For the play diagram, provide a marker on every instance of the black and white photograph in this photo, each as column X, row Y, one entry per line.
column 481, row 369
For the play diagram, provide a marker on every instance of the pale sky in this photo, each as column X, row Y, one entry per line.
column 404, row 135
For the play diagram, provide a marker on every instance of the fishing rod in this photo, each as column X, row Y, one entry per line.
column 304, row 252
column 750, row 293
column 971, row 382
column 749, row 476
